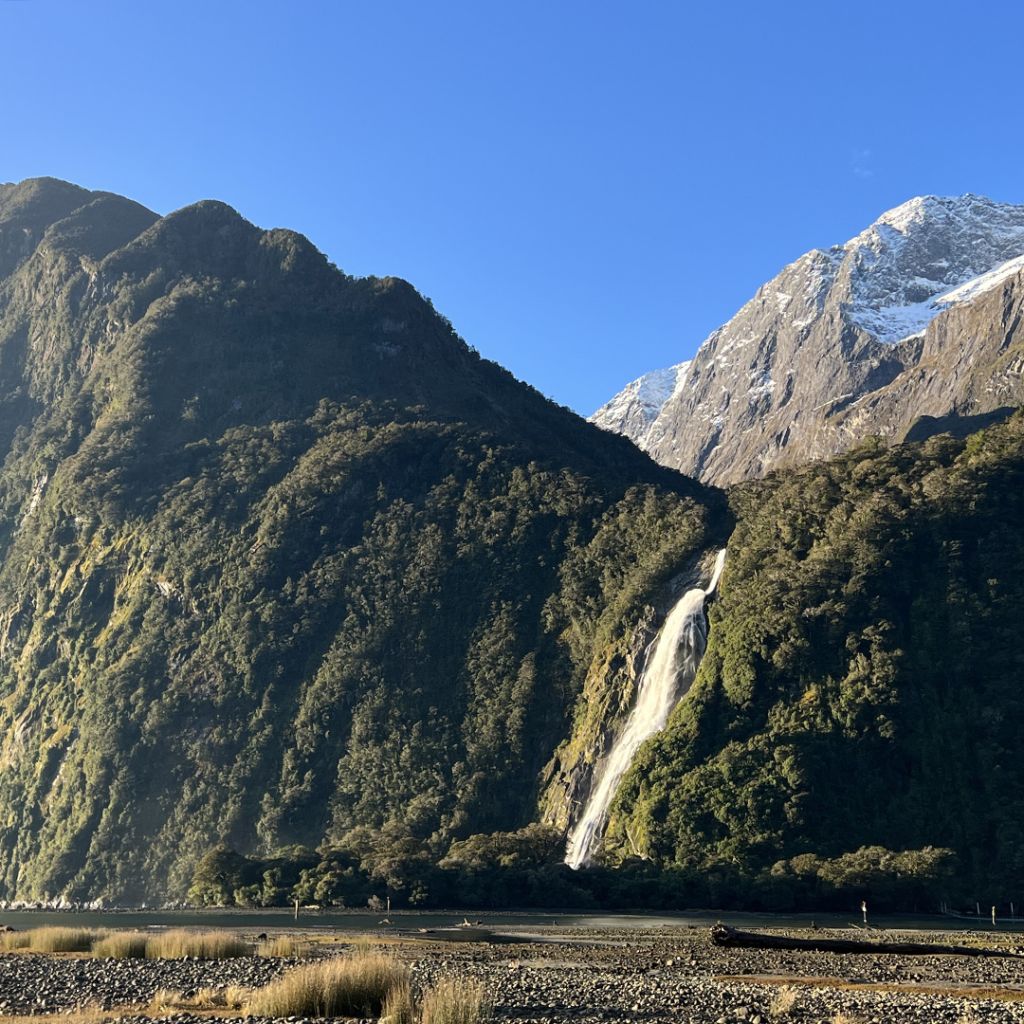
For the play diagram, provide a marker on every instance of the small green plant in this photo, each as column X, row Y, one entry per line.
column 121, row 946
column 455, row 1001
column 355, row 986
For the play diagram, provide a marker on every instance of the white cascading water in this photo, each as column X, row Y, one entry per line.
column 666, row 678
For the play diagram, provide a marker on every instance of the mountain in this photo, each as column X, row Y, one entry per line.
column 300, row 597
column 910, row 327
column 282, row 560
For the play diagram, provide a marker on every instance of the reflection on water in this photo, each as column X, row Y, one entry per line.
column 364, row 921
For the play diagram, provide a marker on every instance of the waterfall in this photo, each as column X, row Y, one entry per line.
column 665, row 679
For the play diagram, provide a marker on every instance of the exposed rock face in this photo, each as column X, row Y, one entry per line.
column 916, row 319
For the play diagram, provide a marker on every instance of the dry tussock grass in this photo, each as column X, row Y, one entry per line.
column 169, row 1002
column 121, row 946
column 399, row 1006
column 51, row 940
column 81, row 1015
column 355, row 986
column 455, row 1001
column 177, row 944
column 281, row 945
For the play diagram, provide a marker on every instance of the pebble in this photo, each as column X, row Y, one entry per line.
column 661, row 976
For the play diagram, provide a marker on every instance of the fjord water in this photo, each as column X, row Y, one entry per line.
column 666, row 678
column 361, row 921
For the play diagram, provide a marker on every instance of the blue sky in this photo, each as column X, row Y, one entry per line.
column 586, row 189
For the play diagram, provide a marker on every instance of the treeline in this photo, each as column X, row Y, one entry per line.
column 525, row 869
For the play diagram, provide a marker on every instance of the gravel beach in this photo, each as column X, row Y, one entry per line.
column 644, row 976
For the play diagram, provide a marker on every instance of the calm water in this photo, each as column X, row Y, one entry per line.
column 365, row 921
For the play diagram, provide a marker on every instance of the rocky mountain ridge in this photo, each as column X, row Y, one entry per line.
column 911, row 321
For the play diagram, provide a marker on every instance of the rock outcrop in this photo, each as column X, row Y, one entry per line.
column 910, row 327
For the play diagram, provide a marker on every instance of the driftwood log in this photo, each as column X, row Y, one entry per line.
column 723, row 935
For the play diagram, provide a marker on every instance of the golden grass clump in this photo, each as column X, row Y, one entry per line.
column 164, row 1000
column 399, row 1006
column 51, row 940
column 280, row 945
column 355, row 986
column 121, row 946
column 784, row 1001
column 14, row 940
column 236, row 996
column 177, row 944
column 455, row 1001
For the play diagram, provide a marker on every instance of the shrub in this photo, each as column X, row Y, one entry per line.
column 174, row 945
column 455, row 1001
column 121, row 946
column 357, row 986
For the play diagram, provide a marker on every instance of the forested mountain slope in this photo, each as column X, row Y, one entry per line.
column 862, row 683
column 287, row 569
column 281, row 556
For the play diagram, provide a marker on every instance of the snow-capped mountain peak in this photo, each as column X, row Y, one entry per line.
column 635, row 408
column 787, row 377
column 917, row 251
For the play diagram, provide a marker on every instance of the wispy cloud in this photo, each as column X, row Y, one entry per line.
column 860, row 163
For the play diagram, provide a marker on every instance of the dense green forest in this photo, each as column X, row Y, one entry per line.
column 862, row 683
column 301, row 598
column 284, row 561
column 853, row 731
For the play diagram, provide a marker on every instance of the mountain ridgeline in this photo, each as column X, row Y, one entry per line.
column 293, row 580
column 283, row 558
column 911, row 328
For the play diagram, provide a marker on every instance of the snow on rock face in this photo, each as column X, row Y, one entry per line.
column 635, row 408
column 916, row 252
column 783, row 380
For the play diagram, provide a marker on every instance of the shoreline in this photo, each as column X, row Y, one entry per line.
column 653, row 976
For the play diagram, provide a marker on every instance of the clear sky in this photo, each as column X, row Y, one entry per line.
column 585, row 188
